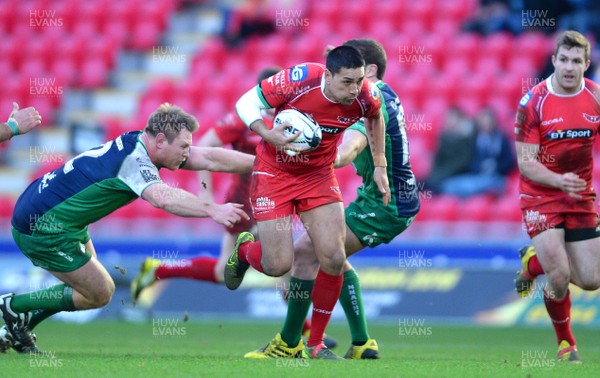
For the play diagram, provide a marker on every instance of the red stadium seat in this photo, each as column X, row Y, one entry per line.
column 476, row 87
column 392, row 11
column 64, row 71
column 7, row 204
column 422, row 11
column 329, row 12
column 511, row 87
column 445, row 86
column 93, row 73
column 145, row 35
column 507, row 209
column 434, row 46
column 103, row 48
column 534, row 46
column 116, row 31
column 124, row 11
column 456, row 11
column 443, row 208
column 465, row 46
column 488, row 68
column 476, row 208
column 497, row 46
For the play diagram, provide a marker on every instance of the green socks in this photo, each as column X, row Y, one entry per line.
column 56, row 298
column 299, row 301
column 351, row 300
column 37, row 316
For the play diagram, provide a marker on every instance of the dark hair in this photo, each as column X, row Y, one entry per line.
column 344, row 57
column 170, row 120
column 372, row 52
column 268, row 72
column 572, row 38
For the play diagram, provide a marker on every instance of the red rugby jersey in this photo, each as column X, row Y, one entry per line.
column 565, row 128
column 301, row 88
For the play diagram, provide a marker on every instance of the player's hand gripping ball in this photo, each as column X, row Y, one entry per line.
column 310, row 131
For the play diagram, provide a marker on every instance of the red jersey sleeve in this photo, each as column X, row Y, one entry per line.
column 370, row 98
column 230, row 129
column 288, row 84
column 527, row 120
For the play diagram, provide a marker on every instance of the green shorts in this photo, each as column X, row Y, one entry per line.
column 64, row 252
column 372, row 223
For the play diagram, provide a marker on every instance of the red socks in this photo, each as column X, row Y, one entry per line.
column 534, row 267
column 560, row 314
column 199, row 268
column 325, row 294
column 251, row 253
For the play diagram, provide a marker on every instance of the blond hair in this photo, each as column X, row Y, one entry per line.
column 170, row 120
column 572, row 38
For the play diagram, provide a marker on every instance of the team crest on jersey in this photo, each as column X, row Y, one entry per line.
column 525, row 99
column 298, row 73
column 591, row 118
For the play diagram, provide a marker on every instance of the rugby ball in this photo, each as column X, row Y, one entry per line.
column 310, row 131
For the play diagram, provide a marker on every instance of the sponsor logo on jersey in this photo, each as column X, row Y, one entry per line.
column 119, row 142
column 552, row 121
column 591, row 118
column 148, row 176
column 525, row 99
column 331, row 130
column 569, row 134
column 347, row 120
column 298, row 73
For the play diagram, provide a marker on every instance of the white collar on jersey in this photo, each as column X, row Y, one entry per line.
column 551, row 88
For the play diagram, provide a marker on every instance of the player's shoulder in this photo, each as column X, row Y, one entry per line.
column 386, row 91
column 370, row 93
column 305, row 71
column 539, row 90
column 593, row 87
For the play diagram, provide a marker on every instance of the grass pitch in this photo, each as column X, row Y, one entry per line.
column 173, row 348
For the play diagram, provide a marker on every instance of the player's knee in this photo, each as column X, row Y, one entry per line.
column 333, row 263
column 304, row 269
column 103, row 294
column 558, row 280
column 276, row 268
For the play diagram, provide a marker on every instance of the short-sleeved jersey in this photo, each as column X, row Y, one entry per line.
column 564, row 127
column 86, row 188
column 405, row 199
column 302, row 88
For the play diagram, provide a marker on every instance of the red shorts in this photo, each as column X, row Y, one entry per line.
column 276, row 194
column 541, row 214
column 239, row 192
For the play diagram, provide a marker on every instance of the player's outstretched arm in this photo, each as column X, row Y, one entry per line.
column 217, row 159
column 179, row 202
column 375, row 127
column 19, row 122
column 353, row 143
column 209, row 139
column 530, row 167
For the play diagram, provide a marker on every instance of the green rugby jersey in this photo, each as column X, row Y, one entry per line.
column 86, row 188
column 405, row 197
